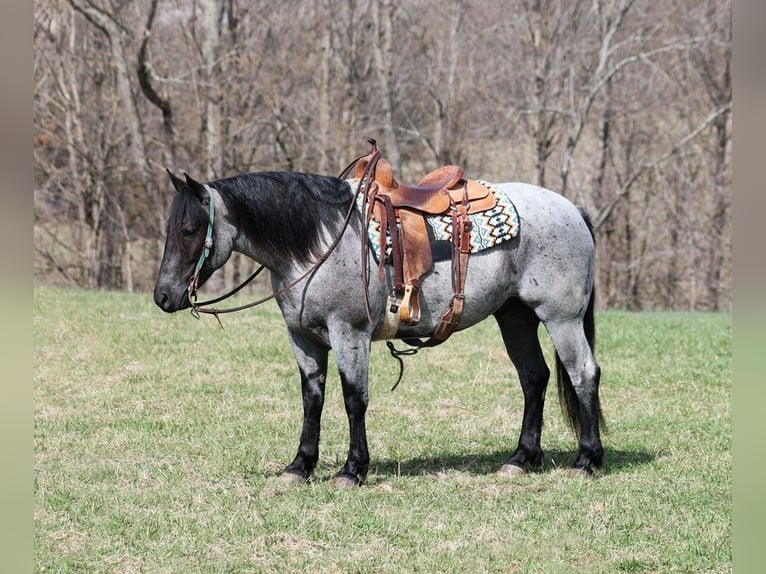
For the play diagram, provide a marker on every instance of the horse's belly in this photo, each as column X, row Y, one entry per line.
column 489, row 284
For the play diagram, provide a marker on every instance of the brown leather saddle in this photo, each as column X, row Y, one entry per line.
column 401, row 210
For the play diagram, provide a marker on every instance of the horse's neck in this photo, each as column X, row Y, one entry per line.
column 246, row 246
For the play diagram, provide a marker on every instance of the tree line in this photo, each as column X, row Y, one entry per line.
column 624, row 106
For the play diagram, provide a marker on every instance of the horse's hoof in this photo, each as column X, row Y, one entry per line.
column 580, row 473
column 289, row 478
column 344, row 481
column 512, row 470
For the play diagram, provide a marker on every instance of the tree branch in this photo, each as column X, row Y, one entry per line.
column 145, row 76
column 606, row 211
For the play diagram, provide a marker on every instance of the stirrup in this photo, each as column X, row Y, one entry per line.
column 409, row 310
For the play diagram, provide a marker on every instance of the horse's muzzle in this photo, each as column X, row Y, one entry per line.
column 167, row 302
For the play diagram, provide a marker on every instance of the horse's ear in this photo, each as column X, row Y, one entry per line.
column 198, row 189
column 178, row 183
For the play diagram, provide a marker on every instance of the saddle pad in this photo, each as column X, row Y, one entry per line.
column 490, row 227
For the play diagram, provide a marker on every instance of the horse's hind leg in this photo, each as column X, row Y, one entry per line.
column 579, row 375
column 518, row 325
column 312, row 363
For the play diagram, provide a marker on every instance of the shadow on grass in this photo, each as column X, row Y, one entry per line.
column 615, row 461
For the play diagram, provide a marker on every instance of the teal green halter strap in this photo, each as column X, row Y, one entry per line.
column 209, row 236
column 192, row 290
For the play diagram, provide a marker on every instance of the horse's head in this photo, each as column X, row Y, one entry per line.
column 192, row 247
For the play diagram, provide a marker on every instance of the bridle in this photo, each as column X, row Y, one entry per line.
column 204, row 306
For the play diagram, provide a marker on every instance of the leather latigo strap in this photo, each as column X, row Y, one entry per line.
column 461, row 246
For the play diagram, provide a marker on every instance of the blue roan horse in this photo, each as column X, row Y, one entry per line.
column 289, row 221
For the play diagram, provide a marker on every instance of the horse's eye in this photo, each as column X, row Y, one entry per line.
column 188, row 231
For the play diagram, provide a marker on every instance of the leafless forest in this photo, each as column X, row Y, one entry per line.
column 624, row 106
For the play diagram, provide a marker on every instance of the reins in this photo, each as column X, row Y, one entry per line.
column 197, row 307
column 365, row 182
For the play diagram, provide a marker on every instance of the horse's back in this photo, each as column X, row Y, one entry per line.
column 540, row 207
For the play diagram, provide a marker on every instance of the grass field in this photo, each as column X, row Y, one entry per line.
column 159, row 440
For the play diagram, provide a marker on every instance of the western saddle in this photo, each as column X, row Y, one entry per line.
column 400, row 210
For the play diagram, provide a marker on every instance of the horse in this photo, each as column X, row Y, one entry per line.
column 305, row 229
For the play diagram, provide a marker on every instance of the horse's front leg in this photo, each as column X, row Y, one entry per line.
column 312, row 363
column 352, row 354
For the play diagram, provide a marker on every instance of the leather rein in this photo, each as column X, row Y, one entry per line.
column 204, row 306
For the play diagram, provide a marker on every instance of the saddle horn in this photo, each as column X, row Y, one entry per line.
column 178, row 183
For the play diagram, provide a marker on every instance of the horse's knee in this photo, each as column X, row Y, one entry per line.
column 355, row 396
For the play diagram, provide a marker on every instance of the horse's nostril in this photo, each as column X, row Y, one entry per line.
column 162, row 300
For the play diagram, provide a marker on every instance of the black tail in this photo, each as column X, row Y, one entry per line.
column 570, row 404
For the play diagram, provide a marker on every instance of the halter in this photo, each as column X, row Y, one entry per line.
column 193, row 284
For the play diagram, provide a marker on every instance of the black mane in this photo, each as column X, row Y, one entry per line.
column 285, row 213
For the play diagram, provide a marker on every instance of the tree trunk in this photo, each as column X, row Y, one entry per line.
column 383, row 16
column 209, row 39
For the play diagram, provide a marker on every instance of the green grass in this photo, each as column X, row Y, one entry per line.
column 159, row 440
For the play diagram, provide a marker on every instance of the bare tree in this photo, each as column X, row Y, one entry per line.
column 623, row 105
column 383, row 52
column 77, row 149
column 147, row 81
